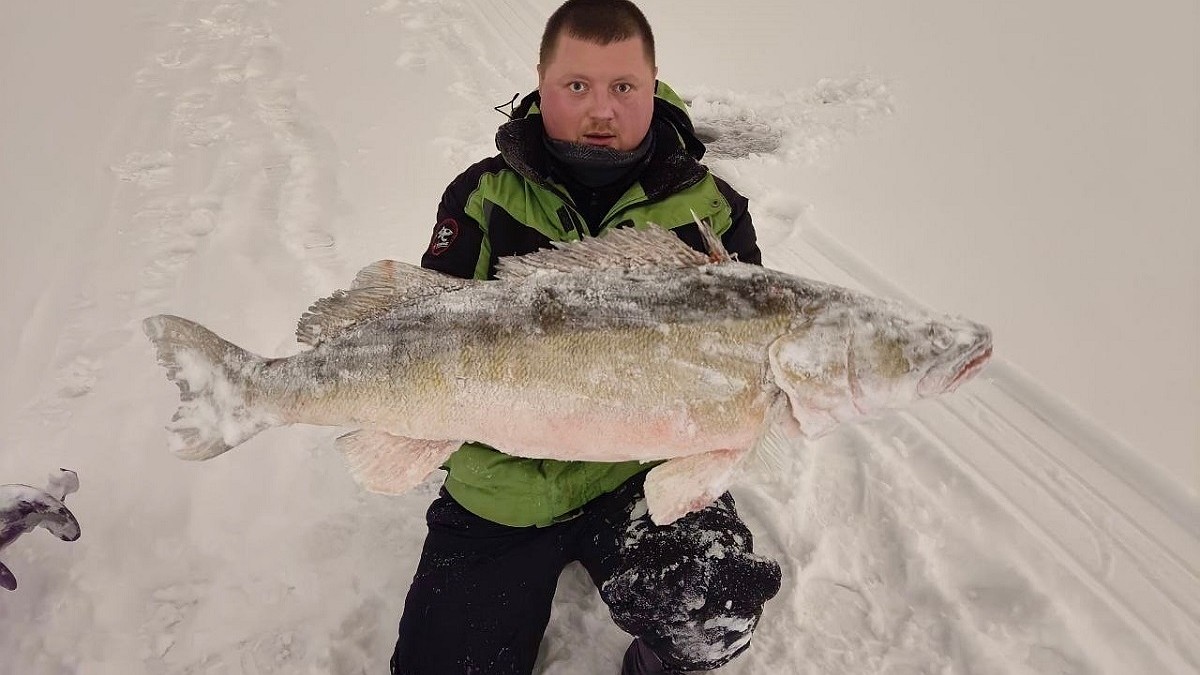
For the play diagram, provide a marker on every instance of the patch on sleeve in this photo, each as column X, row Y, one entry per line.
column 443, row 236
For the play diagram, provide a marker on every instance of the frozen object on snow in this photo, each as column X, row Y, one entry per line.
column 23, row 508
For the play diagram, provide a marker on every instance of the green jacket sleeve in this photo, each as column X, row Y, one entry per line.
column 458, row 239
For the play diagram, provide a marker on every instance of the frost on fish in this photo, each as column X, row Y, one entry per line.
column 631, row 346
column 214, row 379
column 23, row 508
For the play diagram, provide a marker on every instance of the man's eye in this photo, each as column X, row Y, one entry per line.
column 624, row 88
column 577, row 87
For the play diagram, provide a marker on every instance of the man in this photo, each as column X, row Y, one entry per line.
column 601, row 144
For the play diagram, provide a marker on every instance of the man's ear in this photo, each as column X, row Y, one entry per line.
column 541, row 73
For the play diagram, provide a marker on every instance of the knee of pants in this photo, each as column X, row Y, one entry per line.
column 696, row 613
column 737, row 585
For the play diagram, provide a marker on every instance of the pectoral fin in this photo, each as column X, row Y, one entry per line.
column 685, row 484
column 390, row 464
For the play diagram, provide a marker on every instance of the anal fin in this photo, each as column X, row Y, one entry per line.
column 390, row 464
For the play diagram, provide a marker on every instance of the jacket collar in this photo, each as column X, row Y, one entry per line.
column 673, row 165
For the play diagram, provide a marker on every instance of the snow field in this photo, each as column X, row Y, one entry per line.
column 262, row 154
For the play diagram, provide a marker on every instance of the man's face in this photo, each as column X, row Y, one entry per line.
column 597, row 94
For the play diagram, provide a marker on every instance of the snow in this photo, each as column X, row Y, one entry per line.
column 233, row 161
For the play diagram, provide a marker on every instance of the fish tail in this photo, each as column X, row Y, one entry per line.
column 214, row 377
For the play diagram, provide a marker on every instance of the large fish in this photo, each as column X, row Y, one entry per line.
column 631, row 346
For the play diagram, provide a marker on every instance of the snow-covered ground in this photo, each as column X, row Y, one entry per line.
column 232, row 161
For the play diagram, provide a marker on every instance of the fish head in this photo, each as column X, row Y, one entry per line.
column 898, row 355
column 847, row 362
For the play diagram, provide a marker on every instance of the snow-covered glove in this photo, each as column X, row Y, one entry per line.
column 693, row 591
column 23, row 508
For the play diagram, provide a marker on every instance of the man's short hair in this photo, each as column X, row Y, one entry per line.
column 600, row 21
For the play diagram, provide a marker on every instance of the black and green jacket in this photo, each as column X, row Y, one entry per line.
column 516, row 203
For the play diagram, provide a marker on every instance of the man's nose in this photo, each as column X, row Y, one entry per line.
column 603, row 105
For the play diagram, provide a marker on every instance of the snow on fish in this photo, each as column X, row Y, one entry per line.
column 630, row 346
column 23, row 508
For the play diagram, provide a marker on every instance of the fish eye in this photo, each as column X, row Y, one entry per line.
column 940, row 337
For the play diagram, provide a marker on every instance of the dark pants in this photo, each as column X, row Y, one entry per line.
column 693, row 591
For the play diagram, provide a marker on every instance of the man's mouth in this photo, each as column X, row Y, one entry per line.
column 599, row 139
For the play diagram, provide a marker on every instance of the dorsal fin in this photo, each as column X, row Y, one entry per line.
column 376, row 288
column 405, row 279
column 334, row 315
column 712, row 243
column 625, row 248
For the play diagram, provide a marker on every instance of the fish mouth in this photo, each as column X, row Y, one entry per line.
column 939, row 380
column 971, row 368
